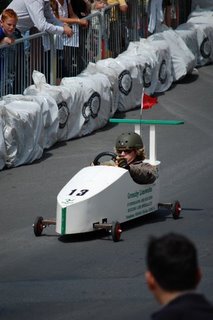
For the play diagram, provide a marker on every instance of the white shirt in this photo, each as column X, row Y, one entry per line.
column 63, row 9
column 156, row 16
column 36, row 13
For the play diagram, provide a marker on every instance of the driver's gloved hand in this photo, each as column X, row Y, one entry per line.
column 122, row 163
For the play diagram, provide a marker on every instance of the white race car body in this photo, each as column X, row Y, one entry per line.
column 98, row 194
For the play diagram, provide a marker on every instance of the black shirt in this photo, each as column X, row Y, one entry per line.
column 190, row 306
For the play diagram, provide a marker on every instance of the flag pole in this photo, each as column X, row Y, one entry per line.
column 141, row 109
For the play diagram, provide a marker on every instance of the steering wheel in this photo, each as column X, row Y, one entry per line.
column 112, row 156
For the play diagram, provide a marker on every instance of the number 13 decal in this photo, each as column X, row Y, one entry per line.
column 78, row 193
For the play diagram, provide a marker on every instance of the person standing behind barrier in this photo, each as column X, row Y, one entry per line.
column 171, row 12
column 8, row 58
column 122, row 4
column 81, row 9
column 156, row 16
column 63, row 11
column 98, row 5
column 172, row 276
column 37, row 13
column 117, row 27
column 8, row 31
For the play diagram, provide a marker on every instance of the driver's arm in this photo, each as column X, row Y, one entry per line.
column 143, row 173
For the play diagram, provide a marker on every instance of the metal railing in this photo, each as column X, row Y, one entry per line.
column 108, row 34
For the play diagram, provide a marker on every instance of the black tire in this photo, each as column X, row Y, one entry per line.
column 176, row 209
column 38, row 226
column 116, row 231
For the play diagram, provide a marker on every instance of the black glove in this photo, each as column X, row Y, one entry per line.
column 122, row 163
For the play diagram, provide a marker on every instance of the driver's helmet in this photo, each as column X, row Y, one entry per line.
column 128, row 140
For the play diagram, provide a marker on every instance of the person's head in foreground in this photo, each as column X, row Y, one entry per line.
column 129, row 146
column 172, row 266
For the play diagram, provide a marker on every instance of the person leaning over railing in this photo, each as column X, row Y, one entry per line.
column 37, row 13
column 8, row 34
column 8, row 30
column 63, row 11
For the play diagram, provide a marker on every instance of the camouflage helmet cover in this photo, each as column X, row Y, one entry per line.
column 129, row 140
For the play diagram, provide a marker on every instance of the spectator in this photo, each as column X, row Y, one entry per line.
column 76, row 61
column 38, row 13
column 173, row 275
column 81, row 8
column 156, row 16
column 98, row 5
column 116, row 28
column 167, row 7
column 63, row 11
column 8, row 55
column 8, row 31
column 171, row 12
column 122, row 4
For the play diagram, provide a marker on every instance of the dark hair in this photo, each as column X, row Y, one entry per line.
column 172, row 259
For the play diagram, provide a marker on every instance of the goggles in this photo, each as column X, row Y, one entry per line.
column 125, row 151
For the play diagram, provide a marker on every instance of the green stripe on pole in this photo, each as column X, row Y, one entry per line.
column 63, row 220
column 137, row 121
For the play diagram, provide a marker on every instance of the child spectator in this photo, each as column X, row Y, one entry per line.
column 8, row 55
column 38, row 13
column 8, row 31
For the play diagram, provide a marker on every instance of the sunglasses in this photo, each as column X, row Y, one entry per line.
column 126, row 151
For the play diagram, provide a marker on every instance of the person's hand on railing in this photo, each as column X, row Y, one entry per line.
column 83, row 23
column 7, row 40
column 123, row 8
column 68, row 31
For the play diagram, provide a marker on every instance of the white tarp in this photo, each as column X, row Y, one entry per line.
column 188, row 33
column 133, row 96
column 162, row 69
column 121, row 81
column 203, row 22
column 49, row 116
column 23, row 132
column 201, row 4
column 143, row 52
column 2, row 143
column 183, row 60
column 128, row 63
column 60, row 95
column 201, row 16
column 91, row 96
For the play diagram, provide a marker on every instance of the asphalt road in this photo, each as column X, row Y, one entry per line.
column 93, row 277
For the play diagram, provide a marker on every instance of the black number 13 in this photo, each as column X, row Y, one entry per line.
column 80, row 193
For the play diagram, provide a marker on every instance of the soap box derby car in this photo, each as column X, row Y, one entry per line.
column 104, row 197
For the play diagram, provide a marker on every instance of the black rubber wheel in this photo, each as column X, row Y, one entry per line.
column 116, row 231
column 176, row 209
column 112, row 156
column 38, row 226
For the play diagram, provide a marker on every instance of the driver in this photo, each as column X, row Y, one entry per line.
column 131, row 155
